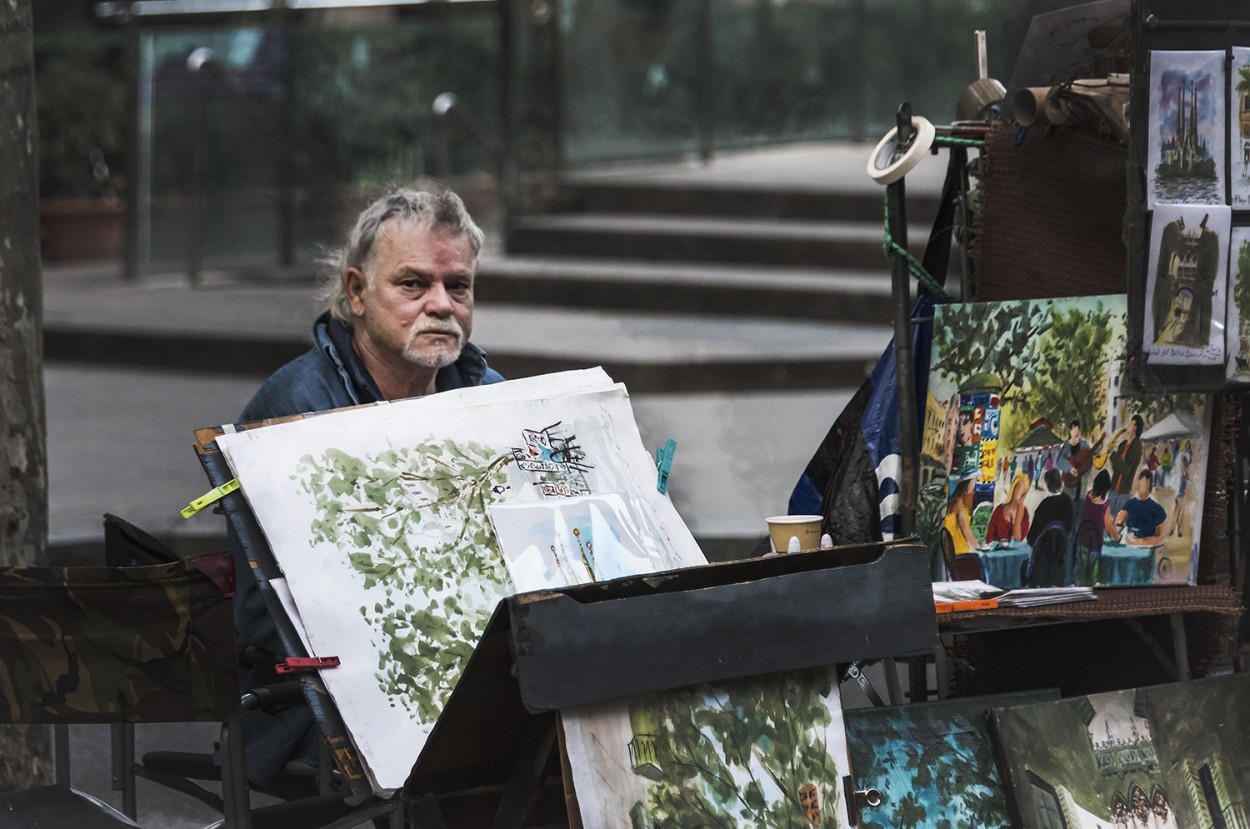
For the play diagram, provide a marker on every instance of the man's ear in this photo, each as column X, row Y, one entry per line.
column 355, row 284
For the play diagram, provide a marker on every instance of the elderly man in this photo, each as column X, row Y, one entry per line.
column 399, row 299
column 400, row 311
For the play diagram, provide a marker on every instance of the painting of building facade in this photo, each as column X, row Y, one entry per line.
column 1186, row 128
column 1187, row 284
column 762, row 751
column 1047, row 471
column 933, row 762
column 1167, row 757
column 1239, row 127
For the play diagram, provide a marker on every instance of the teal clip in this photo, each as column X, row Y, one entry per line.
column 664, row 465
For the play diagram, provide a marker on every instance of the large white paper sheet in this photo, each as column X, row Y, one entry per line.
column 378, row 519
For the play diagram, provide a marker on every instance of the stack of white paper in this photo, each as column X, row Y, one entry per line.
column 381, row 520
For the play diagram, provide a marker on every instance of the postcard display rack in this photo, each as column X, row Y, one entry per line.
column 1159, row 26
column 489, row 759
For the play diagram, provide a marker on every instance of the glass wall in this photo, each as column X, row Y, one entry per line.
column 774, row 70
column 310, row 112
column 301, row 124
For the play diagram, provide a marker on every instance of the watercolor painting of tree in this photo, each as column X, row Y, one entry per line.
column 414, row 523
column 758, row 753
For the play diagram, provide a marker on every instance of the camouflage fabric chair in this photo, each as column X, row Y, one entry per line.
column 116, row 645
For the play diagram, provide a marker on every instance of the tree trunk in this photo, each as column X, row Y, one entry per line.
column 25, row 751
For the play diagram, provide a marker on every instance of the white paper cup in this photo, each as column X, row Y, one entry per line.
column 806, row 528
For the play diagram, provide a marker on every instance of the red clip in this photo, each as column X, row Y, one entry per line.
column 295, row 664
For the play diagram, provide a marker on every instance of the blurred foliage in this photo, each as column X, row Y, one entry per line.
column 363, row 99
column 81, row 101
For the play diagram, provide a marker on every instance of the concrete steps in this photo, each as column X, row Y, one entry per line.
column 666, row 237
column 684, row 288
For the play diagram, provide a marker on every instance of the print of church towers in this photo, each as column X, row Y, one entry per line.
column 1186, row 148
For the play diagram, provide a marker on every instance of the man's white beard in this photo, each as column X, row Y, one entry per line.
column 439, row 357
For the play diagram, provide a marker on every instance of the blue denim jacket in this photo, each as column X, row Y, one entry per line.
column 331, row 376
column 328, row 376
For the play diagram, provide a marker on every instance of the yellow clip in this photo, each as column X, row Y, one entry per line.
column 210, row 497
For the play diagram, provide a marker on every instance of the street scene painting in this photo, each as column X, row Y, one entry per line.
column 1037, row 469
column 738, row 754
column 1186, row 128
column 1239, row 128
column 933, row 762
column 1187, row 284
column 378, row 517
column 1165, row 757
column 1238, row 331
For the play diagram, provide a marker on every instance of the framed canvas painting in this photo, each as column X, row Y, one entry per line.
column 1038, row 468
column 739, row 754
column 933, row 762
column 1166, row 757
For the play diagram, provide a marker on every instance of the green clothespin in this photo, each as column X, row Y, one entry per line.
column 664, row 465
column 209, row 498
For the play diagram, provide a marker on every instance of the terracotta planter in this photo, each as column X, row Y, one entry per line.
column 82, row 228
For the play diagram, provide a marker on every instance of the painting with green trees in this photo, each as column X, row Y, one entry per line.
column 1165, row 757
column 1238, row 330
column 764, row 752
column 1040, row 467
column 379, row 520
column 933, row 762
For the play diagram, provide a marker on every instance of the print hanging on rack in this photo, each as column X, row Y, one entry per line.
column 1239, row 127
column 1186, row 131
column 1186, row 285
column 1238, row 331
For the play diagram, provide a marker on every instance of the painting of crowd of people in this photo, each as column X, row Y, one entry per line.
column 1042, row 470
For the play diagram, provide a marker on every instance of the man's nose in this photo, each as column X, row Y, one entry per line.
column 438, row 301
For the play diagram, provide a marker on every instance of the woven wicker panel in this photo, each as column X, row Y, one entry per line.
column 1213, row 557
column 1050, row 221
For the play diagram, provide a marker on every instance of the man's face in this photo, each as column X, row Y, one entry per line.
column 1143, row 488
column 415, row 299
column 1074, row 433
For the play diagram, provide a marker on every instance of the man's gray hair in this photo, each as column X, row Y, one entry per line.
column 426, row 208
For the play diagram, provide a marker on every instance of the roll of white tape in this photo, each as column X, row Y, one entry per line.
column 886, row 165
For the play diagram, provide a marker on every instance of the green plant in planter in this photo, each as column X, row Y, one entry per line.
column 81, row 101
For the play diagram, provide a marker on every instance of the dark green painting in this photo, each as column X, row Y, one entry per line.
column 1165, row 757
column 933, row 762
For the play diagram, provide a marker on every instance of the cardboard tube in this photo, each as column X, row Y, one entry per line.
column 1029, row 106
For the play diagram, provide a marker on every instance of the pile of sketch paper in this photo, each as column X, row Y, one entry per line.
column 399, row 527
